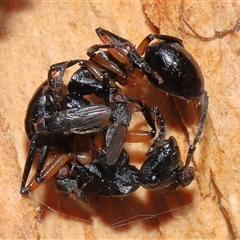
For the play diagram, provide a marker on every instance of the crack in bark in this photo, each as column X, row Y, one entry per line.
column 218, row 34
column 232, row 233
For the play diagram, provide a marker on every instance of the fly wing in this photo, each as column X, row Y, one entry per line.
column 114, row 141
column 87, row 119
column 117, row 131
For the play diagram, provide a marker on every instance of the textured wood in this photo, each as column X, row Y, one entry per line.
column 13, row 225
column 35, row 35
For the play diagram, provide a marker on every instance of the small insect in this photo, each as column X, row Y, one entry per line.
column 118, row 132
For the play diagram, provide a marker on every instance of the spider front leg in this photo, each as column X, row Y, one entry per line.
column 126, row 53
column 110, row 38
column 142, row 136
column 115, row 61
column 119, row 49
column 116, row 45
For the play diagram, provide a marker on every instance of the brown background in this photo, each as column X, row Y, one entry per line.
column 35, row 35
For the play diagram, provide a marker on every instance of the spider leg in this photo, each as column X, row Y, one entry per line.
column 192, row 147
column 41, row 161
column 119, row 55
column 50, row 170
column 143, row 136
column 117, row 51
column 28, row 164
column 58, row 66
column 162, row 132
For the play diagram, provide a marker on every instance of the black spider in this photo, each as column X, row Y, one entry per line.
column 165, row 63
column 57, row 113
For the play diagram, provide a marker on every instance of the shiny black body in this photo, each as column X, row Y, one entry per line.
column 120, row 179
column 83, row 82
column 164, row 171
column 165, row 62
column 180, row 71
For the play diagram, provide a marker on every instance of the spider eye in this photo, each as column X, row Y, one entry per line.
column 153, row 182
column 64, row 172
